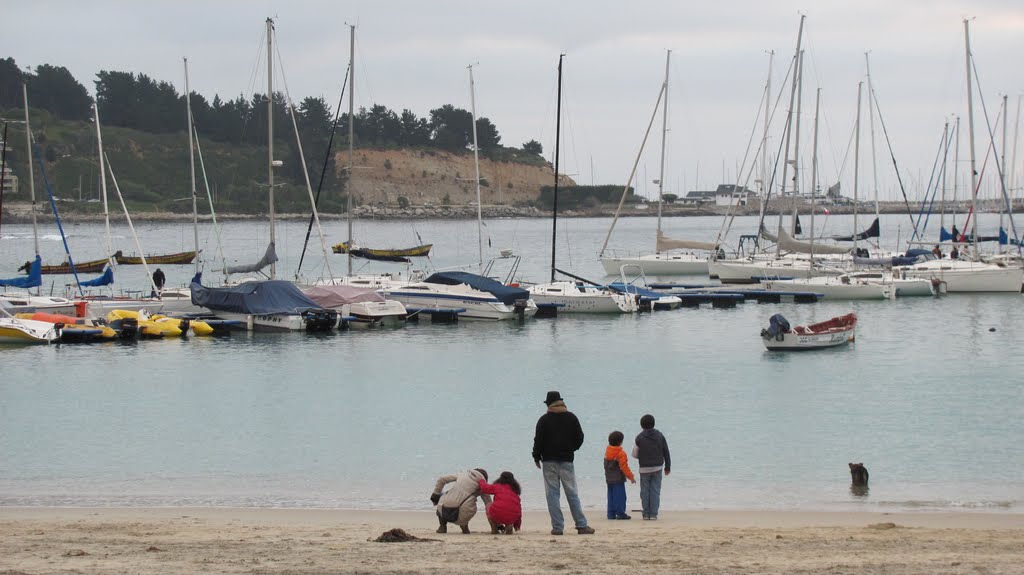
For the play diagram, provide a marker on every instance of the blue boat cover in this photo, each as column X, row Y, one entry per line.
column 33, row 279
column 256, row 297
column 506, row 294
column 104, row 280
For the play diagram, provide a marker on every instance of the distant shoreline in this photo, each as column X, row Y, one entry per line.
column 21, row 214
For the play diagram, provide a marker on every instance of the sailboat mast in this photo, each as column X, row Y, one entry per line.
column 856, row 165
column 554, row 202
column 270, row 136
column 871, row 119
column 192, row 168
column 1013, row 158
column 351, row 136
column 1002, row 170
column 764, row 137
column 796, row 138
column 31, row 172
column 970, row 139
column 664, row 133
column 814, row 170
column 945, row 169
column 789, row 119
column 476, row 162
column 103, row 178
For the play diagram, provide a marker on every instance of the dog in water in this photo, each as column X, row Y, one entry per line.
column 859, row 478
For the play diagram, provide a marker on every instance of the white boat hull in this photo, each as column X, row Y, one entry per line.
column 967, row 276
column 800, row 342
column 387, row 313
column 573, row 298
column 32, row 303
column 26, row 331
column 477, row 305
column 665, row 264
column 834, row 288
column 754, row 270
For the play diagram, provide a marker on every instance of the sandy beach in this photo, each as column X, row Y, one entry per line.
column 215, row 540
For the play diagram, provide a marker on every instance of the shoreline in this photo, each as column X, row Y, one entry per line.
column 247, row 540
column 20, row 213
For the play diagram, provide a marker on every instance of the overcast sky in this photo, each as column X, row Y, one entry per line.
column 413, row 54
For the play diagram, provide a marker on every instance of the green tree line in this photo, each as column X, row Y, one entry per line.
column 136, row 101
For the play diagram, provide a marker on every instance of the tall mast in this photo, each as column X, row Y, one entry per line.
column 270, row 135
column 192, row 168
column 1013, row 157
column 789, row 119
column 554, row 202
column 764, row 137
column 351, row 135
column 856, row 165
column 871, row 119
column 103, row 179
column 476, row 162
column 31, row 171
column 664, row 133
column 1002, row 170
column 796, row 137
column 814, row 168
column 970, row 138
column 945, row 169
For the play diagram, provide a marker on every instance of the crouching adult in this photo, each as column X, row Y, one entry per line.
column 457, row 504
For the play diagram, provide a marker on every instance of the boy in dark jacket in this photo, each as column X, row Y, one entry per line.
column 651, row 452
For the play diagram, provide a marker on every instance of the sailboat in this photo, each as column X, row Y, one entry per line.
column 24, row 299
column 472, row 296
column 566, row 296
column 969, row 273
column 666, row 260
column 272, row 305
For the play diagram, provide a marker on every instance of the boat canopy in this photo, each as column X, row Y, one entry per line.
column 912, row 257
column 337, row 296
column 664, row 243
column 508, row 295
column 268, row 258
column 104, row 280
column 256, row 297
column 787, row 242
column 871, row 232
column 33, row 279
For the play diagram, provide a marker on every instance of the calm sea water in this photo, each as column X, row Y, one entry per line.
column 928, row 397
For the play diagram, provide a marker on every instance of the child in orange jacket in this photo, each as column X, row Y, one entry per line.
column 616, row 472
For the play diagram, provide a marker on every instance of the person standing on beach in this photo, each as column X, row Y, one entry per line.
column 557, row 437
column 651, row 452
column 616, row 472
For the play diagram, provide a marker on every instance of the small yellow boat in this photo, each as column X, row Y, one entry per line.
column 198, row 326
column 125, row 320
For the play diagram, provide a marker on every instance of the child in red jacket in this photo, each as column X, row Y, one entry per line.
column 505, row 513
column 616, row 472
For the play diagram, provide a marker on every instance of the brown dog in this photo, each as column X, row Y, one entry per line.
column 859, row 474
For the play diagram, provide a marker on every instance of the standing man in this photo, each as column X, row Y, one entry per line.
column 557, row 437
column 158, row 281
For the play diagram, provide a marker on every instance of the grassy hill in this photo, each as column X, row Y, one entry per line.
column 152, row 172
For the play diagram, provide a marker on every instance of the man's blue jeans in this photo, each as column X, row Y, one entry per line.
column 559, row 474
column 650, row 493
